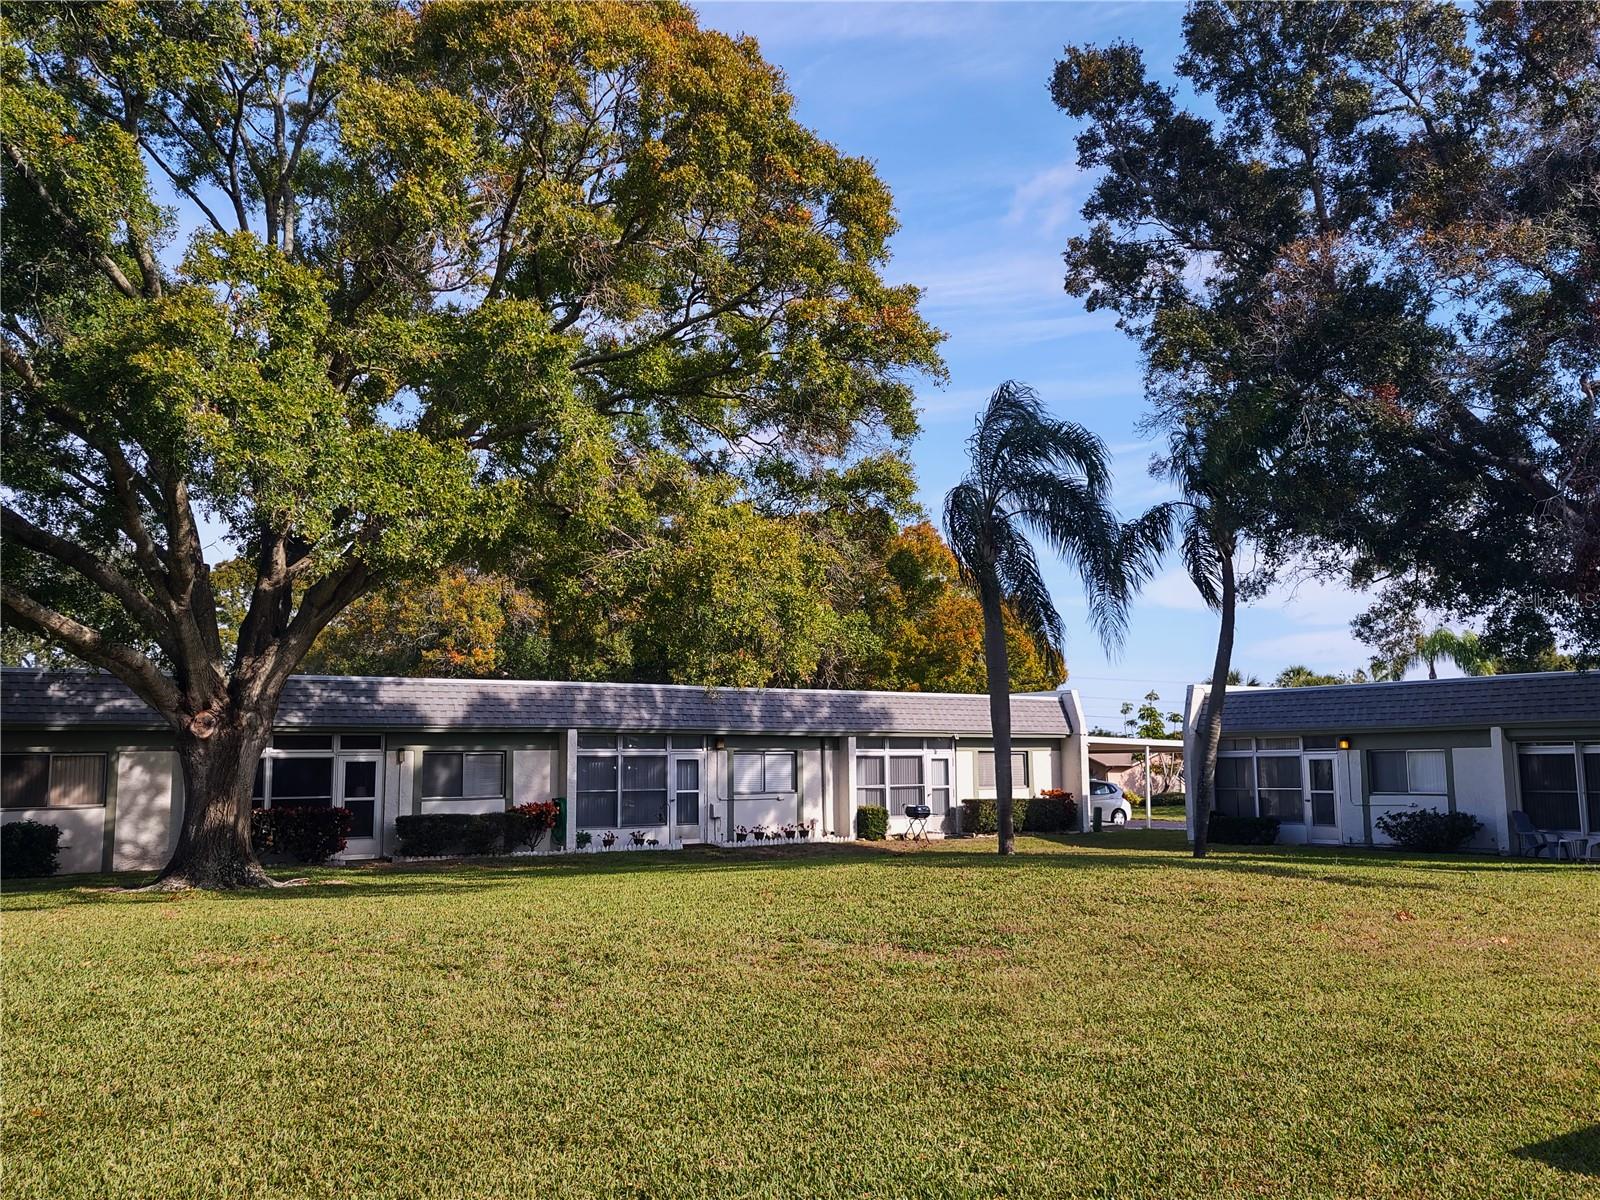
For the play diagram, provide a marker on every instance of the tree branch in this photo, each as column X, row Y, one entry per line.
column 127, row 664
column 97, row 255
column 14, row 527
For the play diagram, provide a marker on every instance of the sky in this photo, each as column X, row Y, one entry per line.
column 950, row 103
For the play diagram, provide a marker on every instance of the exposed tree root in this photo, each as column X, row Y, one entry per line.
column 251, row 876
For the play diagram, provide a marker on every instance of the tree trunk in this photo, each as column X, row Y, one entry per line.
column 1206, row 795
column 999, row 677
column 219, row 764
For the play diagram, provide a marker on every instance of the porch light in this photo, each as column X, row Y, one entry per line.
column 1344, row 743
column 719, row 743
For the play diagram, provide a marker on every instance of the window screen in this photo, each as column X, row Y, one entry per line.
column 905, row 782
column 1389, row 775
column 25, row 780
column 1549, row 787
column 1019, row 769
column 453, row 775
column 687, row 787
column 302, row 782
column 1591, row 785
column 1278, row 789
column 597, row 792
column 760, row 773
column 779, row 772
column 1235, row 793
column 644, row 790
column 1425, row 770
column 77, row 780
column 747, row 774
column 303, row 741
column 870, row 780
column 483, row 775
column 939, row 791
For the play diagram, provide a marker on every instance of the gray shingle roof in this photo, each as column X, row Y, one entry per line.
column 1550, row 699
column 73, row 699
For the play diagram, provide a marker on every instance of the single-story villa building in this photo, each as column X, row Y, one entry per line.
column 1328, row 761
column 685, row 764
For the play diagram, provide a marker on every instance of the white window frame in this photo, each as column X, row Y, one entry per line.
column 1411, row 788
column 1025, row 783
column 930, row 749
column 49, row 775
column 733, row 774
column 618, row 752
column 336, row 748
column 1576, row 749
column 505, row 768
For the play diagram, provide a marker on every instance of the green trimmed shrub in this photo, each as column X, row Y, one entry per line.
column 307, row 835
column 483, row 833
column 430, row 835
column 29, row 849
column 439, row 835
column 1052, row 811
column 872, row 823
column 1242, row 831
column 1428, row 829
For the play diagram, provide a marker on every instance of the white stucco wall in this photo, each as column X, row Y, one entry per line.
column 533, row 774
column 145, row 830
column 1479, row 791
column 82, row 834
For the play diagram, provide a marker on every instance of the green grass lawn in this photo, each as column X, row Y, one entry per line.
column 1099, row 1017
column 1160, row 812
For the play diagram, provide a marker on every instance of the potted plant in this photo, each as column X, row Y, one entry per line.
column 638, row 836
column 805, row 830
column 608, row 839
column 584, row 839
column 741, row 834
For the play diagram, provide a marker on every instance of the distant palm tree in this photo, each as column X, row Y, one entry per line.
column 1463, row 649
column 1034, row 475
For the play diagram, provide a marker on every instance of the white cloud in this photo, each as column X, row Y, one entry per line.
column 1048, row 200
column 1172, row 589
column 1320, row 649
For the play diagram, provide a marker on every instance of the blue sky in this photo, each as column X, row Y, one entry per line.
column 950, row 102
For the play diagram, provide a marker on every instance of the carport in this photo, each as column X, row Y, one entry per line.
column 1108, row 755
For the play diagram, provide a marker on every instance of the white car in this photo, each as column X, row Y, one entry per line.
column 1107, row 800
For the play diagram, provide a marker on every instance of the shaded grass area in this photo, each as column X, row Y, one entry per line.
column 1101, row 1016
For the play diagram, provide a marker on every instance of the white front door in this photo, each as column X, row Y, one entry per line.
column 359, row 781
column 1322, row 798
column 688, row 794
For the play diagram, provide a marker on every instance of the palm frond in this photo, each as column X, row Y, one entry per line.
column 965, row 519
column 1201, row 559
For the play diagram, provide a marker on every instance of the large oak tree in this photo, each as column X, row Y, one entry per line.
column 1375, row 235
column 366, row 290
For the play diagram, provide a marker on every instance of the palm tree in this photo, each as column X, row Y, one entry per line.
column 1463, row 649
column 1210, row 464
column 1032, row 475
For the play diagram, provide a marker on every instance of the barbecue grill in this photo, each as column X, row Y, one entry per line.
column 918, row 815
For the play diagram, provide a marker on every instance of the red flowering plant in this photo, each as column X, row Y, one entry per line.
column 526, row 824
